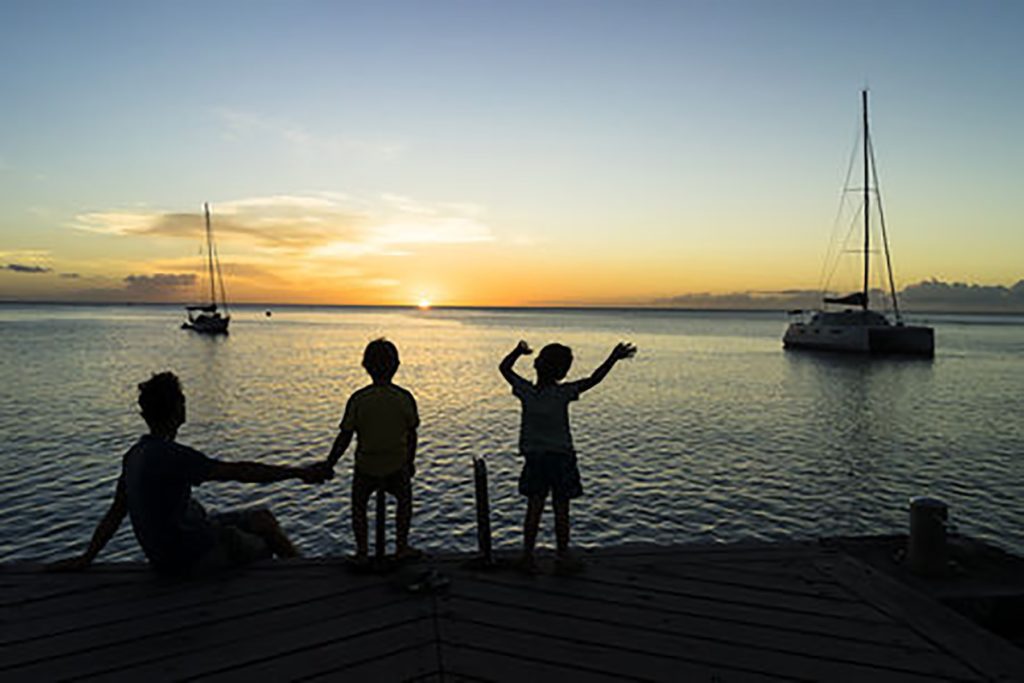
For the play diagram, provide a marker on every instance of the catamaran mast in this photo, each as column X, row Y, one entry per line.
column 867, row 199
column 209, row 255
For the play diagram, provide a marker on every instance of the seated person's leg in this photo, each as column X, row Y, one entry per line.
column 239, row 538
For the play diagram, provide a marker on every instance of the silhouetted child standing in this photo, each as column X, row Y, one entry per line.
column 383, row 418
column 545, row 441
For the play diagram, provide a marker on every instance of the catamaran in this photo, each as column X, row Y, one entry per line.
column 857, row 328
column 207, row 318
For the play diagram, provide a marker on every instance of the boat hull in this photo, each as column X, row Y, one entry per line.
column 206, row 324
column 909, row 340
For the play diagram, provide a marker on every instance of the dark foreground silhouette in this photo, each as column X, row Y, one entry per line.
column 155, row 490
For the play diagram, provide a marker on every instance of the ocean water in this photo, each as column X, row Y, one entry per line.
column 712, row 433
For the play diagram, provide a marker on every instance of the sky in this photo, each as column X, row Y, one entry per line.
column 501, row 153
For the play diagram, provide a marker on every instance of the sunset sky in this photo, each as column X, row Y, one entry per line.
column 498, row 153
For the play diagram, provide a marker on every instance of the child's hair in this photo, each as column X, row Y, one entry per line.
column 553, row 362
column 381, row 359
column 160, row 397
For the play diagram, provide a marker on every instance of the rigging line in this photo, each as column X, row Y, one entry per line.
column 854, row 220
column 822, row 281
column 885, row 236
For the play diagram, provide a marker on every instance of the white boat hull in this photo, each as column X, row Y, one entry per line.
column 873, row 339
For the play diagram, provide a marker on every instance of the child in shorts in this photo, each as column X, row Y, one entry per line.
column 545, row 441
column 383, row 418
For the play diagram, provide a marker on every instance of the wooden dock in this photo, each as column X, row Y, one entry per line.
column 742, row 612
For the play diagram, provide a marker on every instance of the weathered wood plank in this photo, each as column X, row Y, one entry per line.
column 399, row 652
column 184, row 615
column 808, row 582
column 645, row 618
column 485, row 654
column 990, row 656
column 596, row 578
column 417, row 663
column 489, row 626
column 751, row 612
column 473, row 664
column 783, row 574
column 91, row 610
column 544, row 588
column 229, row 643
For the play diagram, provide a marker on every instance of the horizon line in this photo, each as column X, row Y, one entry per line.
column 481, row 307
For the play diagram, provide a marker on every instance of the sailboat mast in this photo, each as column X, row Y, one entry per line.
column 867, row 199
column 209, row 253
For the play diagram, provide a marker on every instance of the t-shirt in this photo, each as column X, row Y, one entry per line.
column 171, row 527
column 381, row 415
column 545, row 423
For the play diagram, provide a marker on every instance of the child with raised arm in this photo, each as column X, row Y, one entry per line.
column 383, row 418
column 546, row 443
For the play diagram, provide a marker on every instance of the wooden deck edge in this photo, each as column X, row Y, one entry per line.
column 615, row 551
column 986, row 653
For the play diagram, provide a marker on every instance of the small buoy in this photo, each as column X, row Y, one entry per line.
column 268, row 314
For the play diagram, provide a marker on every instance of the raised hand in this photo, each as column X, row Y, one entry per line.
column 623, row 350
column 523, row 349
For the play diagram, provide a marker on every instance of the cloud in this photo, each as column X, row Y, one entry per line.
column 25, row 255
column 22, row 268
column 929, row 295
column 70, row 276
column 780, row 300
column 159, row 285
column 329, row 225
column 937, row 295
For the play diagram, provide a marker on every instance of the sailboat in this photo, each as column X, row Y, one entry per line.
column 208, row 318
column 858, row 328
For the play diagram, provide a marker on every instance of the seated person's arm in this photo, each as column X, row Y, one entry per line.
column 259, row 473
column 521, row 349
column 621, row 351
column 105, row 530
column 341, row 443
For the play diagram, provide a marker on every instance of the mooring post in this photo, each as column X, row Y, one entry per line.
column 381, row 520
column 483, row 509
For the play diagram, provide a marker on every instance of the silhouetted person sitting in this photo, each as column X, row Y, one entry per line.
column 384, row 419
column 155, row 490
column 546, row 443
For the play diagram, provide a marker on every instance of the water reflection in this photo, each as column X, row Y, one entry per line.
column 712, row 432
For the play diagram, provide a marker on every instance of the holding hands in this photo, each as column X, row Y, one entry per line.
column 317, row 473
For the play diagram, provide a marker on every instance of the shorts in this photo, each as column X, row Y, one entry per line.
column 554, row 472
column 234, row 542
column 398, row 484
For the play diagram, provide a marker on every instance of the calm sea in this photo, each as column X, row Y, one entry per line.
column 712, row 433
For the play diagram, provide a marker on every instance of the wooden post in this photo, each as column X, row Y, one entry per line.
column 381, row 521
column 483, row 510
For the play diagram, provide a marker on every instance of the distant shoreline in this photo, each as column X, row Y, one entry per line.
column 597, row 308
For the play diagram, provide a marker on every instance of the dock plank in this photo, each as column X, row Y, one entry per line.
column 492, row 626
column 633, row 595
column 748, row 612
column 651, row 619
